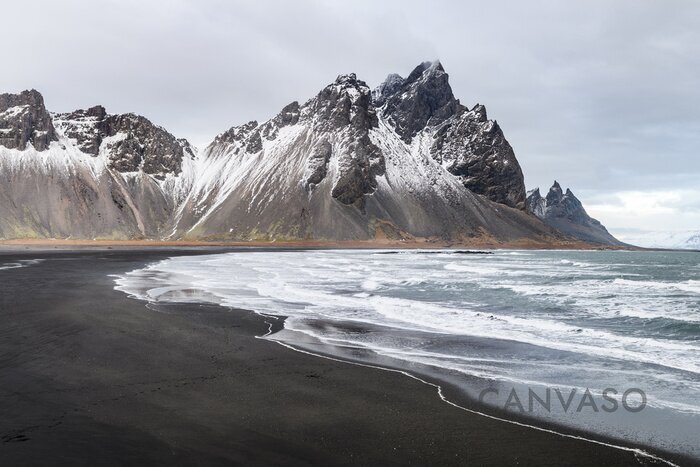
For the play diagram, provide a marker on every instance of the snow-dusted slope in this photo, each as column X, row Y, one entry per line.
column 352, row 165
column 681, row 240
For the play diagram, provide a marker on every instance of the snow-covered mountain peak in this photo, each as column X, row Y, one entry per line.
column 132, row 142
column 424, row 98
column 406, row 156
column 348, row 80
column 347, row 101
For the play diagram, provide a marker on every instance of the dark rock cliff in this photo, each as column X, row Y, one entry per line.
column 134, row 142
column 464, row 141
column 24, row 120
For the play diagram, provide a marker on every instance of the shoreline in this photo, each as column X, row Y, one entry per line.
column 344, row 244
column 463, row 402
column 452, row 394
column 331, row 383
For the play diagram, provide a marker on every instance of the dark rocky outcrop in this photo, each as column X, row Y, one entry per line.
column 344, row 111
column 424, row 98
column 24, row 120
column 134, row 144
column 474, row 149
column 464, row 141
column 317, row 164
column 564, row 212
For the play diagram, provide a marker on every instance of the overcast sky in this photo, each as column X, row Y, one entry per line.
column 604, row 96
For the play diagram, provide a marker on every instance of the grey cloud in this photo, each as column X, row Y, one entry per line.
column 600, row 95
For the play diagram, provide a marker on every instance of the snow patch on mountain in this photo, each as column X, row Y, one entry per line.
column 681, row 240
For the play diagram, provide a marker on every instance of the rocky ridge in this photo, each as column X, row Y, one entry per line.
column 87, row 174
column 563, row 211
column 403, row 161
column 132, row 142
column 465, row 142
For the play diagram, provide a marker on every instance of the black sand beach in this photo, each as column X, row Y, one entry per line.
column 92, row 377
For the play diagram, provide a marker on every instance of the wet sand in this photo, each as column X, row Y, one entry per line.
column 92, row 377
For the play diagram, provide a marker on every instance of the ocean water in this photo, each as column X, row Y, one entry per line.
column 513, row 321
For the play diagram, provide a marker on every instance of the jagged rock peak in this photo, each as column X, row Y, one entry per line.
column 565, row 212
column 97, row 112
column 555, row 194
column 248, row 137
column 390, row 85
column 478, row 113
column 347, row 101
column 132, row 142
column 345, row 86
column 289, row 115
column 86, row 126
column 474, row 149
column 347, row 79
column 424, row 98
column 536, row 204
column 557, row 197
column 426, row 71
column 24, row 119
column 344, row 112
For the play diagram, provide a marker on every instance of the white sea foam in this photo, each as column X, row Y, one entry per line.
column 19, row 264
column 600, row 310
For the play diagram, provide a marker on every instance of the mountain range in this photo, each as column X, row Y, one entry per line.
column 404, row 161
column 677, row 240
